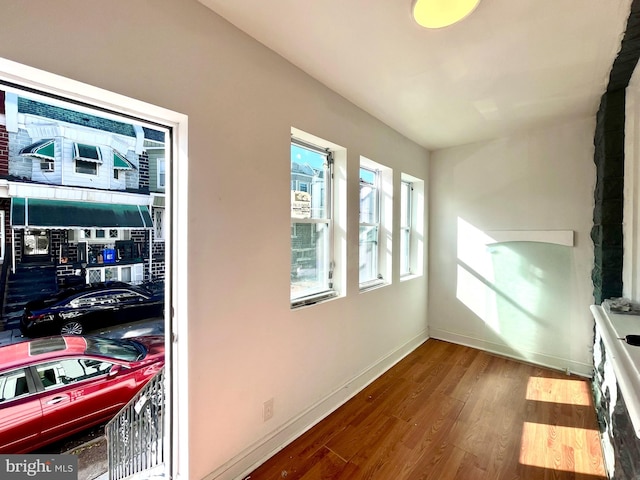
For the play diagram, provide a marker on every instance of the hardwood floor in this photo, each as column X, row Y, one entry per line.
column 452, row 412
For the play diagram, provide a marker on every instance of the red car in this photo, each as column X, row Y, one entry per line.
column 53, row 387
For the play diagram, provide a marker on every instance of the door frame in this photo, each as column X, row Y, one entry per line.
column 17, row 77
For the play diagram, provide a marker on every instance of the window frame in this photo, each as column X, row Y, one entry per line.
column 406, row 228
column 375, row 224
column 416, row 239
column 161, row 173
column 384, row 210
column 317, row 295
column 88, row 163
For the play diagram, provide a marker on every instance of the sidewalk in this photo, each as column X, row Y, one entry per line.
column 92, row 459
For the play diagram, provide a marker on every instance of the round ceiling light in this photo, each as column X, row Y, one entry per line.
column 442, row 13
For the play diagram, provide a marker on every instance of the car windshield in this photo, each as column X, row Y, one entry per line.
column 125, row 350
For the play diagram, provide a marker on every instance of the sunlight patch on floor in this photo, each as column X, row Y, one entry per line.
column 556, row 390
column 562, row 448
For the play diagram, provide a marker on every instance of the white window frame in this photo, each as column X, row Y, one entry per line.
column 416, row 213
column 382, row 222
column 313, row 296
column 406, row 200
column 161, row 173
column 95, row 162
column 177, row 248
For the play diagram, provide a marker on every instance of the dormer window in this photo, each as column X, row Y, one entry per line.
column 87, row 158
column 44, row 150
column 120, row 164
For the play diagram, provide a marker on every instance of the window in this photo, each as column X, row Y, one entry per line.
column 406, row 189
column 12, row 385
column 47, row 165
column 375, row 217
column 161, row 173
column 369, row 225
column 311, row 223
column 64, row 372
column 87, row 158
column 411, row 226
column 158, row 224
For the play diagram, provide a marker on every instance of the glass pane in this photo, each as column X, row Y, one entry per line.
column 309, row 259
column 125, row 274
column 308, row 183
column 405, row 213
column 368, row 204
column 404, row 252
column 368, row 254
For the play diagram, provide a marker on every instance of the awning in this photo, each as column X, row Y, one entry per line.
column 38, row 213
column 120, row 162
column 44, row 149
column 87, row 153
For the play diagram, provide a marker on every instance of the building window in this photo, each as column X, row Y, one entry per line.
column 374, row 231
column 406, row 189
column 161, row 173
column 412, row 205
column 88, row 168
column 87, row 158
column 311, row 223
column 158, row 224
column 369, row 225
column 47, row 165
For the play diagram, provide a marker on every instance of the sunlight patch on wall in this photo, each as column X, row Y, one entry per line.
column 516, row 283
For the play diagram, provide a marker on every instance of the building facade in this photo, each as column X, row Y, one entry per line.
column 80, row 191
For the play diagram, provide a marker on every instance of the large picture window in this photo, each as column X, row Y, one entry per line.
column 311, row 223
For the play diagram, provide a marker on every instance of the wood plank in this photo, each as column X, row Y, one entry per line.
column 451, row 412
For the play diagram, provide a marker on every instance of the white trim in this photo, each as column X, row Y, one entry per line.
column 248, row 460
column 80, row 194
column 625, row 358
column 549, row 361
column 558, row 237
column 177, row 250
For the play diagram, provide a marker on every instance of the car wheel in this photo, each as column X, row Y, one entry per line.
column 71, row 328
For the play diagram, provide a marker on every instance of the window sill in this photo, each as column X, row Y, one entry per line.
column 372, row 285
column 410, row 276
column 313, row 299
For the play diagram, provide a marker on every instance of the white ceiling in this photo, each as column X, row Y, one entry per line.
column 510, row 65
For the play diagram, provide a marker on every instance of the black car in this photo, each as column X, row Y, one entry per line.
column 88, row 307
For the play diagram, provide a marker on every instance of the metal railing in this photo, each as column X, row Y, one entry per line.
column 135, row 437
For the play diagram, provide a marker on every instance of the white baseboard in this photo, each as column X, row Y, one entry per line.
column 248, row 460
column 549, row 361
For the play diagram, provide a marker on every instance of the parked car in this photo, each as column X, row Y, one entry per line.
column 53, row 387
column 76, row 310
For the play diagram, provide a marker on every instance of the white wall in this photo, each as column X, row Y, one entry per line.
column 528, row 300
column 245, row 343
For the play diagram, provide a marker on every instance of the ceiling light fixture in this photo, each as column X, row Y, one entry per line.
column 442, row 13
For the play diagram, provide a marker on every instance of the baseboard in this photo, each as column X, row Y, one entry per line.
column 248, row 460
column 549, row 361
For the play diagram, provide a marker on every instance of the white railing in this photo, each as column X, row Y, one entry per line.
column 135, row 437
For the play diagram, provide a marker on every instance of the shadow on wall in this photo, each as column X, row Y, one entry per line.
column 519, row 289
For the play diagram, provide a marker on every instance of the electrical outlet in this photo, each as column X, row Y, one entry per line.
column 267, row 410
